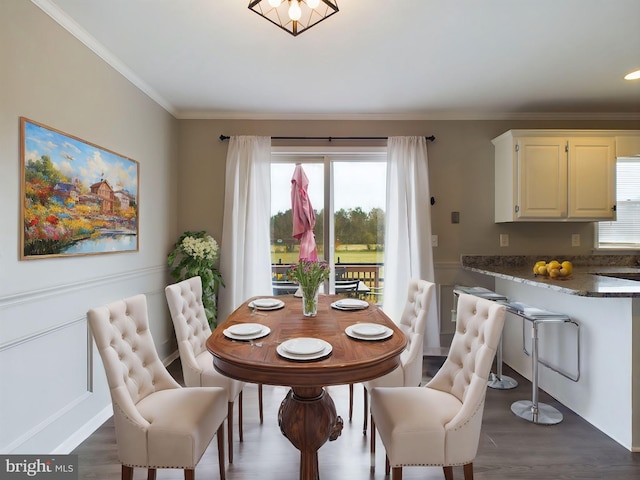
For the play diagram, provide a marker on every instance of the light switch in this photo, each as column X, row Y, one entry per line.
column 575, row 240
column 434, row 240
column 504, row 240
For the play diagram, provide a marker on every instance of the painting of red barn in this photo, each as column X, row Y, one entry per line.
column 78, row 198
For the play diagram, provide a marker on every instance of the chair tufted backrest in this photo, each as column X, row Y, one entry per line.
column 131, row 362
column 190, row 323
column 465, row 372
column 414, row 316
column 413, row 323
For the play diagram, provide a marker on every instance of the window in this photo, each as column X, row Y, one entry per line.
column 351, row 185
column 624, row 233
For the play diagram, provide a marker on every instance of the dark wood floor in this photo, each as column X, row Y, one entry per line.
column 510, row 448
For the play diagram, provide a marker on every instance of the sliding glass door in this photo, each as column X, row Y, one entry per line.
column 348, row 192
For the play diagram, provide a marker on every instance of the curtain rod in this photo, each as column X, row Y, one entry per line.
column 431, row 138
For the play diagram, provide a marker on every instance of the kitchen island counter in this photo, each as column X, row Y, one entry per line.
column 607, row 351
column 584, row 280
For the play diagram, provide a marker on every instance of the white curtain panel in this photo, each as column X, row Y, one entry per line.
column 407, row 252
column 245, row 257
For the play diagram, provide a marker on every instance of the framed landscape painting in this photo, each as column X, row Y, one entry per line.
column 77, row 198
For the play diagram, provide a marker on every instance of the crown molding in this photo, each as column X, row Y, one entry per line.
column 69, row 24
column 213, row 115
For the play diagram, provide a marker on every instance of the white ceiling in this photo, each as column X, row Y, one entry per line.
column 374, row 59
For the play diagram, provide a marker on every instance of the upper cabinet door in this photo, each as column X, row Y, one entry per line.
column 592, row 171
column 542, row 178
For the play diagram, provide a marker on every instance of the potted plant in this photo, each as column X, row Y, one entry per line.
column 195, row 254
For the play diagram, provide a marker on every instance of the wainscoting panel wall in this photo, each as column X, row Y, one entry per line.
column 53, row 378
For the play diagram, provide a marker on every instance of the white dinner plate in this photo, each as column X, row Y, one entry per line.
column 304, row 346
column 262, row 333
column 266, row 304
column 350, row 304
column 243, row 329
column 386, row 334
column 315, row 356
column 368, row 329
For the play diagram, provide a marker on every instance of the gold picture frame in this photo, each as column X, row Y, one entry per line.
column 77, row 198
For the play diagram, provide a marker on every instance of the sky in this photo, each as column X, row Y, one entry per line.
column 357, row 184
column 77, row 159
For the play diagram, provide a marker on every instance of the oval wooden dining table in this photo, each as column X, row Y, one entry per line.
column 307, row 415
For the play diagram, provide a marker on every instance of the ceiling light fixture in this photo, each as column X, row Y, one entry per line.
column 294, row 16
column 633, row 75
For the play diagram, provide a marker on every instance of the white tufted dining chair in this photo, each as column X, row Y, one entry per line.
column 412, row 323
column 158, row 423
column 439, row 424
column 192, row 331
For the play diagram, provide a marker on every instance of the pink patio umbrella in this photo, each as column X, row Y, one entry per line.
column 304, row 218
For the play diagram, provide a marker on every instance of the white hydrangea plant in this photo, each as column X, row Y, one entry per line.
column 195, row 254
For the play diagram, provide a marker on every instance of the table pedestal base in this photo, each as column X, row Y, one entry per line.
column 307, row 417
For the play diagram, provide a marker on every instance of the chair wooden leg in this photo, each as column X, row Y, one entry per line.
column 189, row 474
column 468, row 471
column 221, row 464
column 230, row 430
column 372, row 441
column 127, row 472
column 387, row 465
column 448, row 473
column 396, row 473
column 366, row 410
column 350, row 401
column 151, row 474
column 260, row 402
column 240, row 427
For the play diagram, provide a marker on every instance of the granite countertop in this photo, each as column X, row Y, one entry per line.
column 583, row 281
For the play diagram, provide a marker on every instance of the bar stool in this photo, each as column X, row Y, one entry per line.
column 533, row 410
column 496, row 380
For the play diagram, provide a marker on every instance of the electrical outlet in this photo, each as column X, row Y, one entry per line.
column 434, row 240
column 575, row 240
column 504, row 240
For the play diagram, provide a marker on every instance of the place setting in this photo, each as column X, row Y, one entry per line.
column 350, row 304
column 368, row 331
column 266, row 304
column 304, row 349
column 246, row 331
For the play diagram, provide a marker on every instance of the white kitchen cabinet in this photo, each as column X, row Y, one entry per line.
column 554, row 175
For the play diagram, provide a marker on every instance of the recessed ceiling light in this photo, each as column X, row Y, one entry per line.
column 633, row 75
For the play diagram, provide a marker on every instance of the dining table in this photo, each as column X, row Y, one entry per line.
column 269, row 341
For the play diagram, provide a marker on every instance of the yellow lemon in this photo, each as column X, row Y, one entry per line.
column 542, row 270
column 540, row 262
column 554, row 272
column 553, row 264
column 567, row 266
column 564, row 272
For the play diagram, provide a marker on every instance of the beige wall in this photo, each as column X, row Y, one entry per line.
column 52, row 378
column 460, row 168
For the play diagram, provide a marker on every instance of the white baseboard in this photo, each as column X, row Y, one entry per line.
column 83, row 433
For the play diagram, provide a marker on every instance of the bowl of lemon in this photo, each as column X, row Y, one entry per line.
column 553, row 269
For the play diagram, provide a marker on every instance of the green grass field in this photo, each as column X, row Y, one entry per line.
column 347, row 254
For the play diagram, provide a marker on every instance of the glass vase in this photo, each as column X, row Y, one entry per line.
column 310, row 303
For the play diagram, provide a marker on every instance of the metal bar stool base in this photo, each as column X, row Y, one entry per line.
column 546, row 415
column 502, row 382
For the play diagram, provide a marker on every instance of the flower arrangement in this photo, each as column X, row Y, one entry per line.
column 309, row 274
column 195, row 254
